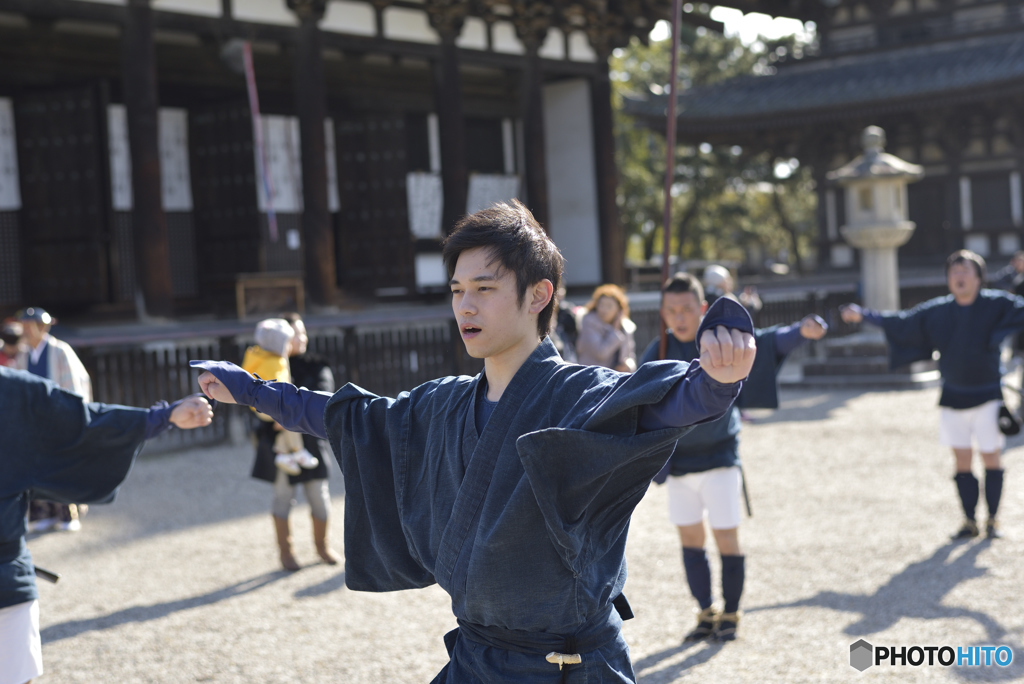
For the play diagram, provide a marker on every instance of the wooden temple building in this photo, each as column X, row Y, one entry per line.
column 944, row 78
column 128, row 163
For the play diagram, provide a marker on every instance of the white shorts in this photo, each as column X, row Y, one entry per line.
column 958, row 426
column 716, row 491
column 21, row 652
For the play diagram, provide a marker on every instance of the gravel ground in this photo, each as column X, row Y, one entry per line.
column 178, row 581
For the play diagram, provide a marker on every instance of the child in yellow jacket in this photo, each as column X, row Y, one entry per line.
column 268, row 359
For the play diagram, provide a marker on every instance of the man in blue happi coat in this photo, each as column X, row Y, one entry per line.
column 511, row 490
column 704, row 475
column 60, row 447
column 966, row 327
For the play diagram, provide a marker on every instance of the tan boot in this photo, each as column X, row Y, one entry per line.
column 284, row 544
column 328, row 554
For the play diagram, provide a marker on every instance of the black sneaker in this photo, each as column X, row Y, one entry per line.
column 706, row 621
column 725, row 630
column 969, row 530
column 992, row 529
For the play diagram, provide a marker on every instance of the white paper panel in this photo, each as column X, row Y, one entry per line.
column 209, row 8
column 580, row 49
column 175, row 179
column 425, row 198
column 333, row 201
column 486, row 189
column 402, row 23
column 572, row 179
column 430, row 270
column 505, row 39
column 841, row 256
column 284, row 168
column 474, row 34
column 554, row 45
column 346, row 16
column 264, row 11
column 10, row 190
column 978, row 244
column 1009, row 243
column 120, row 158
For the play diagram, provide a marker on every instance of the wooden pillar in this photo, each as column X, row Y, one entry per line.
column 149, row 226
column 311, row 107
column 613, row 239
column 532, row 21
column 447, row 18
column 532, row 113
column 821, row 187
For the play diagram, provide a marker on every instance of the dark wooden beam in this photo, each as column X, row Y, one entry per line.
column 532, row 113
column 447, row 18
column 613, row 239
column 225, row 28
column 452, row 132
column 311, row 108
column 149, row 227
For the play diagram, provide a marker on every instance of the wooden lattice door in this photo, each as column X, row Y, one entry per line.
column 64, row 190
column 375, row 248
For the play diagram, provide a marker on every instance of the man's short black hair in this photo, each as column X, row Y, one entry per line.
column 966, row 256
column 517, row 243
column 684, row 282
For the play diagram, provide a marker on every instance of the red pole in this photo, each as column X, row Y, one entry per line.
column 670, row 162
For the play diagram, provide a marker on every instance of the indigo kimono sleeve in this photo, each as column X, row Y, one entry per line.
column 761, row 388
column 61, row 447
column 588, row 477
column 296, row 409
column 907, row 332
column 368, row 434
column 1011, row 319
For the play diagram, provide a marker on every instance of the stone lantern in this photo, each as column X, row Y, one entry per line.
column 876, row 216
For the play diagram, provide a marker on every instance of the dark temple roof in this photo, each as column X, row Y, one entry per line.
column 846, row 87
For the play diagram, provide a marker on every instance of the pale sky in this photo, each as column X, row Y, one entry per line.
column 747, row 26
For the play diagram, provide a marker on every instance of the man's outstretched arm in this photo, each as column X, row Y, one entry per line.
column 185, row 414
column 727, row 351
column 295, row 409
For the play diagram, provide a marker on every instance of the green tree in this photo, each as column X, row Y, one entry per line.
column 728, row 203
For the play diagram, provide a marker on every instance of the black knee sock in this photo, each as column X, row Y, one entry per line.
column 698, row 575
column 967, row 485
column 993, row 490
column 733, row 573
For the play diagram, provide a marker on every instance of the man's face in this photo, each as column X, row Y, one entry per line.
column 963, row 282
column 682, row 313
column 300, row 342
column 486, row 306
column 33, row 331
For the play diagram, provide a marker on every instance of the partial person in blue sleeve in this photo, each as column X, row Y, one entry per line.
column 704, row 475
column 966, row 327
column 60, row 447
column 512, row 490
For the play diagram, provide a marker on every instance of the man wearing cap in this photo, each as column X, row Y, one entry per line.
column 46, row 356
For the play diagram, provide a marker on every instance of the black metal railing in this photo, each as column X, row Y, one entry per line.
column 384, row 358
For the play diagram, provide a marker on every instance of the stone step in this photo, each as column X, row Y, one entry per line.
column 837, row 351
column 848, row 366
column 866, row 381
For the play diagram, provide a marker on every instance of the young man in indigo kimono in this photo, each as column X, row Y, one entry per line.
column 966, row 327
column 58, row 446
column 512, row 490
column 704, row 473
